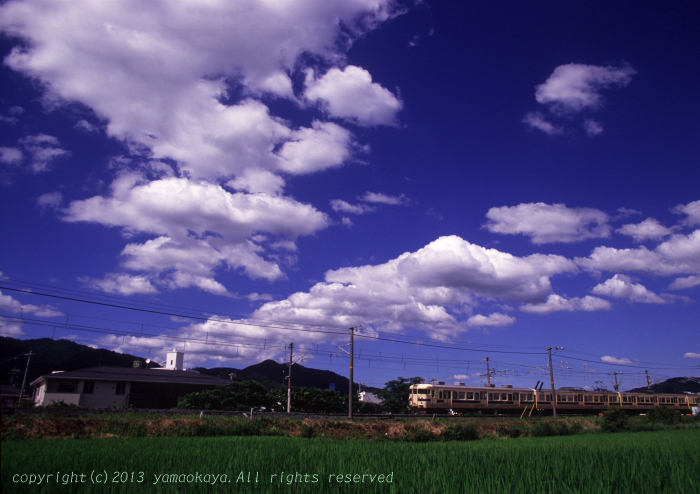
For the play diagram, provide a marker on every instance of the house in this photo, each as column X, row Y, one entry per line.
column 368, row 397
column 9, row 395
column 136, row 387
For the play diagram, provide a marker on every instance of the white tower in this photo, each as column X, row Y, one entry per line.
column 175, row 360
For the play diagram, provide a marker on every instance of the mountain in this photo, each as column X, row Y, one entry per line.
column 51, row 355
column 674, row 385
column 271, row 375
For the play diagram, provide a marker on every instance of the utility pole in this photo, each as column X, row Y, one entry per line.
column 488, row 370
column 551, row 375
column 289, row 378
column 26, row 369
column 352, row 368
column 648, row 380
column 617, row 386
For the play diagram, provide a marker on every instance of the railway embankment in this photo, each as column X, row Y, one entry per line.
column 85, row 424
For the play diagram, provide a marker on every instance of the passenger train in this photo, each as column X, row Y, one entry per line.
column 459, row 398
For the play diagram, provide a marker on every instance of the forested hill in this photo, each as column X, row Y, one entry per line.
column 675, row 385
column 271, row 375
column 51, row 355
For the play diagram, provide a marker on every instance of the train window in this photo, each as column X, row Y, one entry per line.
column 470, row 396
column 681, row 400
column 510, row 397
column 674, row 400
column 462, row 395
column 490, row 396
column 529, row 397
column 613, row 399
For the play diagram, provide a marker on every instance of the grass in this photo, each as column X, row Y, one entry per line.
column 632, row 462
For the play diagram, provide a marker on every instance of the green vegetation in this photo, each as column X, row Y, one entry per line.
column 600, row 463
column 78, row 423
column 395, row 394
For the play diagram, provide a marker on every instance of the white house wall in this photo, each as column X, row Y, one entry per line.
column 103, row 395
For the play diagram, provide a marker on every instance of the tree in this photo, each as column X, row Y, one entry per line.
column 312, row 400
column 396, row 393
column 236, row 396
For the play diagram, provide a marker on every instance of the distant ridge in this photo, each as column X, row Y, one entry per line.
column 674, row 385
column 52, row 355
column 271, row 375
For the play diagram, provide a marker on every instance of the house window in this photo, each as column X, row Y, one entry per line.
column 89, row 387
column 121, row 389
column 66, row 388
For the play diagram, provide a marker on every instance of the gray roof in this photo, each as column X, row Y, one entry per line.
column 130, row 374
column 9, row 390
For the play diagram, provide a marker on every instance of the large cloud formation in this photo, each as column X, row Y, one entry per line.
column 186, row 86
column 431, row 289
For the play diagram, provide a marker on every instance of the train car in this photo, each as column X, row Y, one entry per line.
column 460, row 398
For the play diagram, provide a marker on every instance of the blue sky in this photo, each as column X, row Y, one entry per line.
column 462, row 179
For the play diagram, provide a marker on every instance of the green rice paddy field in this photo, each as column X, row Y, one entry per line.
column 643, row 462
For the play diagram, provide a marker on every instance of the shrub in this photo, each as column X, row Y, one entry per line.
column 307, row 431
column 663, row 415
column 511, row 430
column 615, row 420
column 543, row 429
column 460, row 432
column 423, row 436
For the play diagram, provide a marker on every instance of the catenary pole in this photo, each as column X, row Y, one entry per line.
column 488, row 370
column 289, row 378
column 352, row 370
column 551, row 375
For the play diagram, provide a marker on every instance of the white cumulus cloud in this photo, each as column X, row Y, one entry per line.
column 687, row 282
column 692, row 212
column 574, row 87
column 549, row 223
column 680, row 254
column 351, row 94
column 648, row 229
column 620, row 286
column 557, row 303
column 537, row 120
column 428, row 289
column 614, row 360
